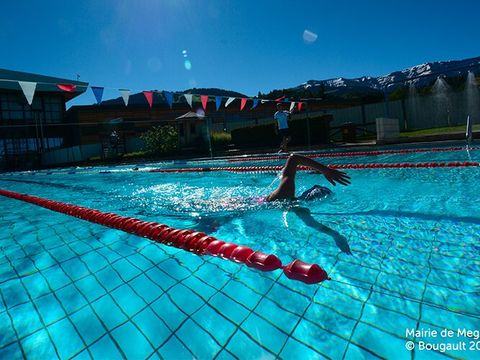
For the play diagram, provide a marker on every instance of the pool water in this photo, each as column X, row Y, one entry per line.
column 70, row 288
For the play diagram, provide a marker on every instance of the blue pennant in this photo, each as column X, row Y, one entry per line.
column 98, row 92
column 218, row 101
column 169, row 97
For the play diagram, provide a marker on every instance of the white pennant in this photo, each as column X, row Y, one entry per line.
column 125, row 95
column 188, row 97
column 28, row 89
column 292, row 105
column 229, row 101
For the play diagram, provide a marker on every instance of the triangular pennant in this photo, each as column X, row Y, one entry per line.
column 98, row 92
column 189, row 98
column 280, row 98
column 204, row 99
column 218, row 101
column 300, row 106
column 292, row 105
column 255, row 103
column 243, row 101
column 125, row 95
column 169, row 97
column 67, row 87
column 149, row 97
column 28, row 89
column 229, row 101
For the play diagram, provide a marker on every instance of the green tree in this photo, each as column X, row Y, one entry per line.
column 160, row 139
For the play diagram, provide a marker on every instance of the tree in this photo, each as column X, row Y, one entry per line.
column 160, row 139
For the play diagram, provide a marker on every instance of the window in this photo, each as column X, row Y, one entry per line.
column 53, row 109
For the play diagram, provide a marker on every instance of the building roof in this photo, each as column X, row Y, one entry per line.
column 9, row 78
column 190, row 115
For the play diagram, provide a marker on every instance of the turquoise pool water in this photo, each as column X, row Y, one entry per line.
column 70, row 288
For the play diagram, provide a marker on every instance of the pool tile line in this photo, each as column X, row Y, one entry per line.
column 428, row 269
column 282, row 284
column 420, row 306
column 40, row 318
column 352, row 333
column 224, row 346
column 14, row 330
column 406, row 297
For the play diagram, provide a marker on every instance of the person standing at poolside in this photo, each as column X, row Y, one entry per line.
column 282, row 116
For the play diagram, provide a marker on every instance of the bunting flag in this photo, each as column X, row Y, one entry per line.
column 28, row 89
column 98, row 92
column 300, row 106
column 67, row 87
column 243, row 101
column 149, row 97
column 189, row 98
column 229, row 101
column 125, row 93
column 204, row 99
column 255, row 103
column 280, row 99
column 218, row 101
column 292, row 105
column 169, row 97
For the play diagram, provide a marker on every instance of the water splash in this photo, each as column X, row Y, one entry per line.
column 473, row 98
column 413, row 104
column 441, row 94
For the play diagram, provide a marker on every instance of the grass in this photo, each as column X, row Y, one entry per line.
column 221, row 138
column 440, row 130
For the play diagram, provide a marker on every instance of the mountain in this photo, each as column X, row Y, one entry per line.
column 419, row 75
column 214, row 92
column 158, row 98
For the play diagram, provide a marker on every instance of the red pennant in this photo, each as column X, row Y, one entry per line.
column 149, row 97
column 300, row 106
column 204, row 99
column 67, row 87
column 242, row 103
column 280, row 98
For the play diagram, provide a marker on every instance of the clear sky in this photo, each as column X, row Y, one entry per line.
column 242, row 45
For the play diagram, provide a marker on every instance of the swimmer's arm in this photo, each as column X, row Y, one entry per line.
column 332, row 175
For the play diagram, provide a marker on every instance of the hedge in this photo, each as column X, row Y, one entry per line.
column 264, row 135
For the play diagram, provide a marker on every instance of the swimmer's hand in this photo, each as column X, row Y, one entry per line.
column 336, row 176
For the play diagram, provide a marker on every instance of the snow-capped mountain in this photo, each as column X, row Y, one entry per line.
column 420, row 75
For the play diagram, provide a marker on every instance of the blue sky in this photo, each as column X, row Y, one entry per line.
column 246, row 46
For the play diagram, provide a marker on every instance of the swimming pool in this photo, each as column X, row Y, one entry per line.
column 70, row 288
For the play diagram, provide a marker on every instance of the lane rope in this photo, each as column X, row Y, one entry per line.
column 353, row 153
column 275, row 168
column 193, row 241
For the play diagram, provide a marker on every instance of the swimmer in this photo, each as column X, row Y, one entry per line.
column 286, row 189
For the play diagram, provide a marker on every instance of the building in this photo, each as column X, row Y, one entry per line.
column 111, row 125
column 27, row 131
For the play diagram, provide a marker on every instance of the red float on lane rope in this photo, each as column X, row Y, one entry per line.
column 189, row 240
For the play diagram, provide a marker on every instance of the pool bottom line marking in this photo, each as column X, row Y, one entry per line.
column 193, row 241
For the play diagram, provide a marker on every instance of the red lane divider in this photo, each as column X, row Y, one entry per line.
column 333, row 166
column 189, row 240
column 353, row 153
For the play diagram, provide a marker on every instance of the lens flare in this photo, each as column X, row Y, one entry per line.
column 309, row 36
column 200, row 112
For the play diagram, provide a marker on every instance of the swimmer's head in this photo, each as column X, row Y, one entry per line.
column 315, row 192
